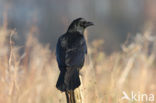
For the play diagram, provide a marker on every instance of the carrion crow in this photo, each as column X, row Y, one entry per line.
column 70, row 53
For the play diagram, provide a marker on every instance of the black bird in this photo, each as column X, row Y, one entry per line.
column 70, row 53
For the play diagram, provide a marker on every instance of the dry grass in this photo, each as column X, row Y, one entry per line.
column 31, row 77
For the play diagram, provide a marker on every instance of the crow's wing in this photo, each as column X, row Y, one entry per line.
column 75, row 56
column 60, row 54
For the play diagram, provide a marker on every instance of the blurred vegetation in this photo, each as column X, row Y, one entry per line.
column 31, row 77
column 28, row 32
column 114, row 19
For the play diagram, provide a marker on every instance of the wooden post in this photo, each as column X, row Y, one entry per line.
column 74, row 96
column 70, row 96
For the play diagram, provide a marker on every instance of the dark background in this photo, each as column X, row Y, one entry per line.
column 114, row 19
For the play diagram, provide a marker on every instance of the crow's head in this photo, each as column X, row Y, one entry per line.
column 79, row 25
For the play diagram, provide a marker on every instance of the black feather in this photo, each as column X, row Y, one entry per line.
column 70, row 53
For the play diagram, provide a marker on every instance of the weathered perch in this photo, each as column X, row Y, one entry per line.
column 74, row 96
column 70, row 96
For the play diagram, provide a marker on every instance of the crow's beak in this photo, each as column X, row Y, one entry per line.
column 89, row 24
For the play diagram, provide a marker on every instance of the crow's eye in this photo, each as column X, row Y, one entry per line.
column 82, row 23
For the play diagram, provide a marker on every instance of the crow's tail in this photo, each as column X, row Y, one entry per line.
column 72, row 79
column 68, row 80
column 60, row 82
